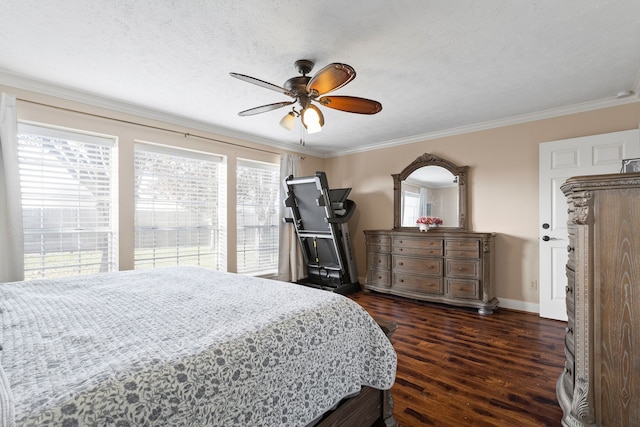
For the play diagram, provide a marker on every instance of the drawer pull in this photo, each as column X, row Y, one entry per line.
column 401, row 280
column 379, row 261
column 461, row 269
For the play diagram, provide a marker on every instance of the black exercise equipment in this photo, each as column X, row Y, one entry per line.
column 320, row 217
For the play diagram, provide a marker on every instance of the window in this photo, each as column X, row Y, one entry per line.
column 258, row 218
column 410, row 208
column 69, row 187
column 180, row 208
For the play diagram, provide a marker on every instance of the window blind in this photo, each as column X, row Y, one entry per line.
column 69, row 187
column 180, row 208
column 410, row 208
column 258, row 186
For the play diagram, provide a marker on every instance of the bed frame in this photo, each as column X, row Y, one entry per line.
column 371, row 407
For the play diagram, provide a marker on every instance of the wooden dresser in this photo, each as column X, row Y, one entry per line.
column 453, row 267
column 600, row 384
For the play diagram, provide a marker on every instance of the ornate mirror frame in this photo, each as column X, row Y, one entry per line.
column 431, row 160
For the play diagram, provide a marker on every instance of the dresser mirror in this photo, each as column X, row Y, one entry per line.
column 430, row 186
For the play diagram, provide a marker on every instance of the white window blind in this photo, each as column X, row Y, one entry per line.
column 180, row 208
column 410, row 208
column 69, row 187
column 257, row 217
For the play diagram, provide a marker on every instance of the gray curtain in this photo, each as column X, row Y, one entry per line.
column 290, row 260
column 11, row 245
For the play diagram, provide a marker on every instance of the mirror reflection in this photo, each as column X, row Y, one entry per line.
column 430, row 191
column 430, row 186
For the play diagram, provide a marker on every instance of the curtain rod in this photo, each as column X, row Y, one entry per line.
column 186, row 134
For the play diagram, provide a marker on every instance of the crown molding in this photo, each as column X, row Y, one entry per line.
column 492, row 124
column 20, row 82
column 68, row 94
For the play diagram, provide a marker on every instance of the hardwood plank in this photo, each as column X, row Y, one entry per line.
column 458, row 368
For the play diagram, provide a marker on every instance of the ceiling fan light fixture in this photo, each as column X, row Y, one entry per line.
column 288, row 121
column 312, row 119
column 305, row 89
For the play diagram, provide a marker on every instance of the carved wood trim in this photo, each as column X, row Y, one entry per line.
column 582, row 407
column 580, row 212
column 583, row 328
column 431, row 160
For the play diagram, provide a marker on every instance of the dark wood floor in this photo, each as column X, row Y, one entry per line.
column 458, row 368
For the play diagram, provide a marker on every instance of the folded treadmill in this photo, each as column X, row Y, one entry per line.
column 320, row 217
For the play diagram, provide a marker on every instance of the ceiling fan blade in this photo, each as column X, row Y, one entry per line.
column 330, row 78
column 351, row 104
column 261, row 83
column 264, row 108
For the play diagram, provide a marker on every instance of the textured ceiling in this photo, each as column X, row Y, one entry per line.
column 436, row 66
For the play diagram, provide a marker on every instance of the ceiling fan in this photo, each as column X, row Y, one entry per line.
column 305, row 90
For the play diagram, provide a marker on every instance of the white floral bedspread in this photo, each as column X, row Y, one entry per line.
column 181, row 346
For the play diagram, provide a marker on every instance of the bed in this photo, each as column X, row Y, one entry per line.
column 188, row 346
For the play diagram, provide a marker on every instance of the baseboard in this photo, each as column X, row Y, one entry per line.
column 514, row 304
column 510, row 304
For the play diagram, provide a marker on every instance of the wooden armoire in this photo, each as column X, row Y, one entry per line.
column 600, row 383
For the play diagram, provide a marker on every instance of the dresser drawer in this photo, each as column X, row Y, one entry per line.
column 463, row 268
column 379, row 278
column 569, row 290
column 375, row 239
column 377, row 260
column 385, row 249
column 418, row 251
column 430, row 266
column 465, row 289
column 569, row 338
column 415, row 246
column 379, row 244
column 569, row 370
column 417, row 242
column 571, row 251
column 462, row 248
column 424, row 284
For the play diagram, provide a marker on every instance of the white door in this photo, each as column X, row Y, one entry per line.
column 559, row 160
